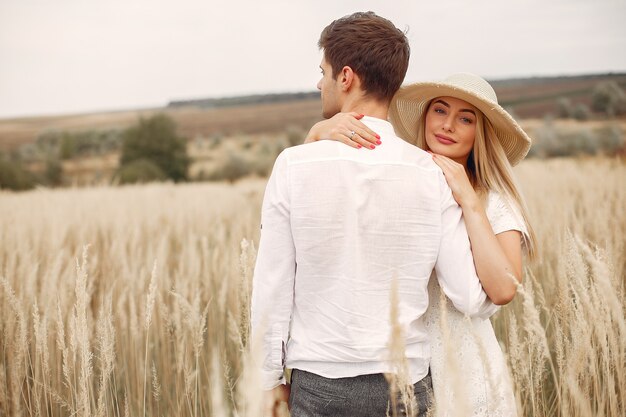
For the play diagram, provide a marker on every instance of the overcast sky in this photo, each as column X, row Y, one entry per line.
column 67, row 56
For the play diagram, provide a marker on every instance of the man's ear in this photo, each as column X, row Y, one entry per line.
column 347, row 78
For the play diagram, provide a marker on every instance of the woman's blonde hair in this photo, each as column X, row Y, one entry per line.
column 490, row 170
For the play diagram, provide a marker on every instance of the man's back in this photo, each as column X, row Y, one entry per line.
column 359, row 220
column 339, row 225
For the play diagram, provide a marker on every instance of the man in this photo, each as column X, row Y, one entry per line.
column 338, row 226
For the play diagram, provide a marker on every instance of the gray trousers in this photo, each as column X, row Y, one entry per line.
column 363, row 396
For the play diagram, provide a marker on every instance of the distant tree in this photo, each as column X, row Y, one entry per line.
column 67, row 148
column 14, row 177
column 609, row 98
column 581, row 112
column 54, row 171
column 582, row 142
column 232, row 169
column 139, row 170
column 611, row 139
column 566, row 110
column 154, row 139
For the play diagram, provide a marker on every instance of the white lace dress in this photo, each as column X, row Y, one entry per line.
column 469, row 372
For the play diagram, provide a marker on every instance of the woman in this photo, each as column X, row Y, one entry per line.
column 475, row 142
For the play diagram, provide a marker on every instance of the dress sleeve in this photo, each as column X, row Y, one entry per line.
column 504, row 215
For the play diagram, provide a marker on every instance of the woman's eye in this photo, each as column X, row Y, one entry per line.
column 466, row 120
column 440, row 111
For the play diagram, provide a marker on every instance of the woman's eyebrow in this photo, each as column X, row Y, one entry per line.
column 448, row 106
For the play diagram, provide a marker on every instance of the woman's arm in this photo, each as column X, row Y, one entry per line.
column 340, row 128
column 498, row 259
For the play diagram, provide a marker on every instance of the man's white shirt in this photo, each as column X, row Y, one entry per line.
column 339, row 224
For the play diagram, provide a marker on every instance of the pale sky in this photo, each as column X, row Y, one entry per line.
column 75, row 56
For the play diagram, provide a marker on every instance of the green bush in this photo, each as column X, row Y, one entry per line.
column 566, row 109
column 139, row 171
column 582, row 142
column 67, row 148
column 262, row 166
column 581, row 112
column 54, row 172
column 155, row 139
column 608, row 97
column 550, row 141
column 14, row 177
column 232, row 169
column 611, row 139
column 216, row 141
column 547, row 142
column 67, row 145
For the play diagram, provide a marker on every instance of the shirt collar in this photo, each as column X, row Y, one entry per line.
column 380, row 126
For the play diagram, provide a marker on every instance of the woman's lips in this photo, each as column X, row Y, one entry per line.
column 445, row 140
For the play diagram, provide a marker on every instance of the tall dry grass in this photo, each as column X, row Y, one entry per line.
column 134, row 301
column 565, row 333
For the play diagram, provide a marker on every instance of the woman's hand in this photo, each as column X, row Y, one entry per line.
column 272, row 400
column 346, row 128
column 457, row 179
column 496, row 258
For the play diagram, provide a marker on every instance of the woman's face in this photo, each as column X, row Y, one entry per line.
column 450, row 128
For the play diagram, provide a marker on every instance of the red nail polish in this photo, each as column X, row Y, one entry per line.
column 378, row 142
column 358, row 146
column 372, row 147
column 377, row 136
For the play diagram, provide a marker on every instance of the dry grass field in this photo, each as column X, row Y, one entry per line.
column 192, row 121
column 133, row 301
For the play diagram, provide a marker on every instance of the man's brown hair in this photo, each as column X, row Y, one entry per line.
column 376, row 50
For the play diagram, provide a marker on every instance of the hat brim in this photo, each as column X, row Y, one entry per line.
column 410, row 102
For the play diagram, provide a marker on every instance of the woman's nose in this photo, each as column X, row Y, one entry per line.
column 448, row 124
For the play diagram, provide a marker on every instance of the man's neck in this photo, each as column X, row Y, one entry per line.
column 368, row 107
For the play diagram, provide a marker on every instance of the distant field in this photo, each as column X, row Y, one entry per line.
column 536, row 97
column 528, row 98
column 192, row 121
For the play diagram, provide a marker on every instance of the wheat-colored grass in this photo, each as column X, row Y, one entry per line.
column 134, row 301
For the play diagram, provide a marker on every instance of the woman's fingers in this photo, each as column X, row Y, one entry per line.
column 357, row 138
column 449, row 164
column 452, row 171
column 346, row 128
column 350, row 139
column 366, row 133
column 458, row 180
column 443, row 159
column 441, row 162
column 357, row 131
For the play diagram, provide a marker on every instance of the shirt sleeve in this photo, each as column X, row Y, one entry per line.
column 503, row 215
column 274, row 275
column 455, row 265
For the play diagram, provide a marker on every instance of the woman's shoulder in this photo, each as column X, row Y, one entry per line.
column 503, row 213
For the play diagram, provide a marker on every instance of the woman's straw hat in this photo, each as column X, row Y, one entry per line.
column 409, row 104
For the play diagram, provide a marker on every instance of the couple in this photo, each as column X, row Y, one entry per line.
column 341, row 225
